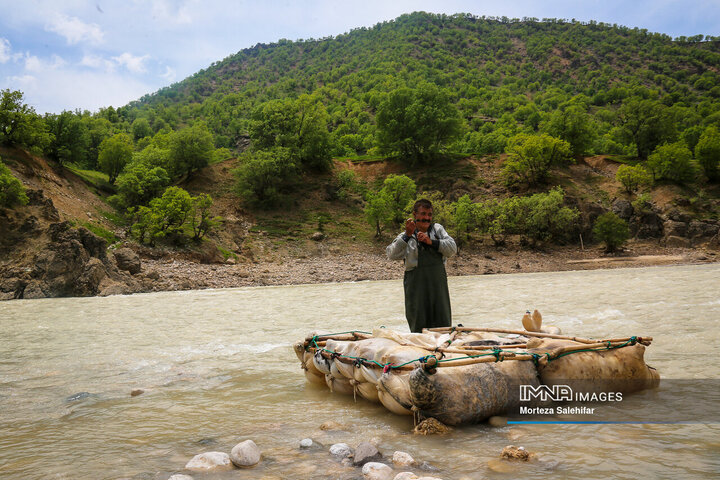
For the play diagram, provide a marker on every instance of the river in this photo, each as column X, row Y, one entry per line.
column 217, row 367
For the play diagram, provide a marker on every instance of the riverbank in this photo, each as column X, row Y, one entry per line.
column 178, row 273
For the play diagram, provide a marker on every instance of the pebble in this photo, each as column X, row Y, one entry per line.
column 341, row 450
column 377, row 471
column 245, row 454
column 180, row 476
column 306, row 443
column 402, row 459
column 209, row 462
column 136, row 392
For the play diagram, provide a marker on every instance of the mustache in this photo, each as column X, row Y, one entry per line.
column 422, row 221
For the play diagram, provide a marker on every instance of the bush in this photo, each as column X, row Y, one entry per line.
column 611, row 230
column 170, row 216
column 263, row 175
column 12, row 191
column 531, row 156
column 388, row 206
column 672, row 161
column 632, row 177
column 139, row 183
column 707, row 152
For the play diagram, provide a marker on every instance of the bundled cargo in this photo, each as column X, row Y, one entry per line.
column 462, row 375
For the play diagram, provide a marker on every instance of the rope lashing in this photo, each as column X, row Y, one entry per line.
column 498, row 353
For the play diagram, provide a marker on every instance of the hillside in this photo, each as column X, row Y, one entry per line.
column 307, row 122
column 492, row 67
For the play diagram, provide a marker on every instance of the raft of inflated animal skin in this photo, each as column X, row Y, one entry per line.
column 464, row 375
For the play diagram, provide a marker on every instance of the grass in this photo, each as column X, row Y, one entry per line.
column 362, row 159
column 92, row 178
column 100, row 231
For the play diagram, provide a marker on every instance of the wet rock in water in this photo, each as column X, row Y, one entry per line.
column 180, row 476
column 431, row 426
column 406, row 476
column 306, row 443
column 341, row 450
column 428, row 467
column 331, row 426
column 402, row 459
column 511, row 452
column 496, row 421
column 136, row 392
column 128, row 260
column 366, row 452
column 377, row 471
column 245, row 454
column 209, row 462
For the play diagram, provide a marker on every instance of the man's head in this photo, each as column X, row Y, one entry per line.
column 422, row 211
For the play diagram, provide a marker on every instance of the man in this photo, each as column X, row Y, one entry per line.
column 424, row 246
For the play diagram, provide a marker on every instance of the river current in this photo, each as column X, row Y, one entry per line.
column 217, row 367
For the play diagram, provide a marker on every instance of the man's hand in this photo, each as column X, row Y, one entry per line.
column 424, row 238
column 409, row 227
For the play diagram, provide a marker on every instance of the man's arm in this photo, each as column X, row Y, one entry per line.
column 445, row 243
column 396, row 250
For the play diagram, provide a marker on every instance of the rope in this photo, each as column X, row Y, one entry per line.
column 496, row 352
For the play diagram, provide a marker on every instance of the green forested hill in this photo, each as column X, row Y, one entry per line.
column 445, row 94
column 505, row 75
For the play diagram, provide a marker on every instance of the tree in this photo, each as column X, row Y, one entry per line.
column 388, row 206
column 263, row 175
column 70, row 138
column 20, row 125
column 672, row 161
column 200, row 220
column 543, row 216
column 646, row 123
column 141, row 128
column 575, row 126
column 165, row 216
column 115, row 153
column 297, row 125
column 612, row 230
column 12, row 191
column 139, row 183
column 632, row 177
column 530, row 157
column 417, row 123
column 191, row 148
column 707, row 152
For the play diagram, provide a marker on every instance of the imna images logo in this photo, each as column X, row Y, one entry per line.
column 564, row 393
column 544, row 393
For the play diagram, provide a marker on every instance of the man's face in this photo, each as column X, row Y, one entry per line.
column 423, row 217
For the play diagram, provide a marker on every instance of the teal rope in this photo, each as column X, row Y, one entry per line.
column 496, row 352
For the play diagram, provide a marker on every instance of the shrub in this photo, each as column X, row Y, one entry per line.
column 388, row 206
column 611, row 230
column 263, row 175
column 672, row 161
column 12, row 191
column 139, row 183
column 531, row 156
column 632, row 177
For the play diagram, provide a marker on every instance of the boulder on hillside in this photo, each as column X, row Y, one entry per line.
column 127, row 260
